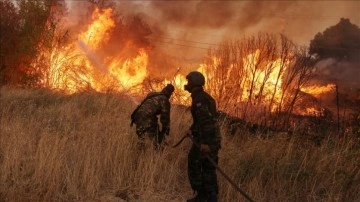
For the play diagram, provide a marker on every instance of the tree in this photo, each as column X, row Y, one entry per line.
column 26, row 30
column 9, row 37
column 341, row 41
column 258, row 77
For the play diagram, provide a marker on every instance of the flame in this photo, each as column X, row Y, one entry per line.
column 317, row 89
column 311, row 111
column 273, row 82
column 78, row 66
column 254, row 81
column 98, row 31
column 180, row 96
column 132, row 71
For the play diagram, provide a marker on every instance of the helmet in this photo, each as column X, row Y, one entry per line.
column 168, row 90
column 195, row 79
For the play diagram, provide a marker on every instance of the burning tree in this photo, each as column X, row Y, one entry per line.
column 26, row 30
column 257, row 77
column 108, row 53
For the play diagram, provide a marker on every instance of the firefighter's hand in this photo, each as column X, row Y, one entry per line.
column 204, row 148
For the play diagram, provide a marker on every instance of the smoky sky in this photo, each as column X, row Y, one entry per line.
column 200, row 24
column 300, row 19
column 182, row 31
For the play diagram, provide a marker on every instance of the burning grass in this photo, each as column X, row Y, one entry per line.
column 79, row 147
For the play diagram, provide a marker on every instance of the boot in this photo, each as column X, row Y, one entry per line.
column 200, row 197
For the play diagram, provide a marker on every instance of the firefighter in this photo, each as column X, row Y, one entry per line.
column 206, row 133
column 145, row 116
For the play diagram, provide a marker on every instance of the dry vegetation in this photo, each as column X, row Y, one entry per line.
column 56, row 147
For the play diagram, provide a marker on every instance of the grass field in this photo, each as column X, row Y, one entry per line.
column 80, row 147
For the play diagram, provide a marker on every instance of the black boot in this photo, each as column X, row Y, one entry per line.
column 200, row 197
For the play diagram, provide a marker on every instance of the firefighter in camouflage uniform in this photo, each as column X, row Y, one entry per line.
column 206, row 133
column 145, row 116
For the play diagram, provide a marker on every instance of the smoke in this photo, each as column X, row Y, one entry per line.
column 302, row 20
column 198, row 25
column 182, row 31
column 343, row 73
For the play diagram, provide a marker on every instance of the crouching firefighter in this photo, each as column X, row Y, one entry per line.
column 205, row 133
column 145, row 116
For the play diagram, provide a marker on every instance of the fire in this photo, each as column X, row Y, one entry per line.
column 317, row 89
column 273, row 81
column 82, row 65
column 131, row 72
column 97, row 32
column 79, row 66
column 312, row 111
column 254, row 81
column 180, row 96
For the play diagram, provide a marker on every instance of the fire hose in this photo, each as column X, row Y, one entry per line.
column 246, row 196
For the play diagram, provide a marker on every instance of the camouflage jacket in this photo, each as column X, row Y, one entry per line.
column 205, row 127
column 153, row 105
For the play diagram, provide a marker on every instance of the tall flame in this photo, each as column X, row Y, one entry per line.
column 97, row 32
column 78, row 66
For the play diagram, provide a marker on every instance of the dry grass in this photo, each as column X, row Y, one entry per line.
column 80, row 147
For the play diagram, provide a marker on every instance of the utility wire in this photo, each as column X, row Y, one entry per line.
column 189, row 46
column 211, row 44
column 219, row 45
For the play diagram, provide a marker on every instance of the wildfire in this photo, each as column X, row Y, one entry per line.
column 272, row 82
column 79, row 66
column 82, row 65
column 248, row 82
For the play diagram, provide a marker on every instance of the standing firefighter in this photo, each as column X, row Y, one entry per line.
column 145, row 116
column 206, row 133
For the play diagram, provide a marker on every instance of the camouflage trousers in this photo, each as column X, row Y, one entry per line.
column 152, row 132
column 201, row 173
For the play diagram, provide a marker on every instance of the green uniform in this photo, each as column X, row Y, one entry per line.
column 205, row 130
column 146, row 117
